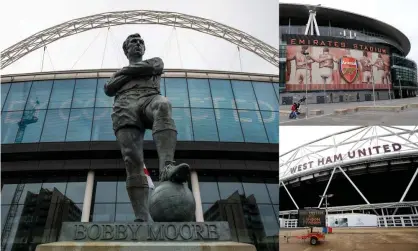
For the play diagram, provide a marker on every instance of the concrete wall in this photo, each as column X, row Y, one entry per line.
column 287, row 98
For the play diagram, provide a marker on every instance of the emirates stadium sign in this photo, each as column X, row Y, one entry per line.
column 353, row 154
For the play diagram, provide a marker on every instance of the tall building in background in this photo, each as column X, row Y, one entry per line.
column 337, row 56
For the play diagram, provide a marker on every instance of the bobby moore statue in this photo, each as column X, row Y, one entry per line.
column 139, row 106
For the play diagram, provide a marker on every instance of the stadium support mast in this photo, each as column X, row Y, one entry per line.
column 312, row 26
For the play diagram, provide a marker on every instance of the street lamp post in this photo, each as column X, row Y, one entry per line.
column 306, row 84
column 374, row 94
column 326, row 196
column 400, row 87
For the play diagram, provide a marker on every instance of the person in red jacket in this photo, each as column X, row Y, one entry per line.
column 293, row 113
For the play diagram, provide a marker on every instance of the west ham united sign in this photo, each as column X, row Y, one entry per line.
column 349, row 69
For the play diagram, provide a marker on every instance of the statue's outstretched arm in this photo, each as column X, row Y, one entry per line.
column 115, row 83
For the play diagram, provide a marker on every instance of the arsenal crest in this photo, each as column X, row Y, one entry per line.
column 349, row 69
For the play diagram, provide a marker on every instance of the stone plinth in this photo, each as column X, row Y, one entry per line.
column 146, row 246
column 134, row 232
column 381, row 108
column 133, row 236
column 316, row 112
column 341, row 111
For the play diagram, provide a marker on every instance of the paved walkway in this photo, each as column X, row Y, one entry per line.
column 354, row 239
column 406, row 117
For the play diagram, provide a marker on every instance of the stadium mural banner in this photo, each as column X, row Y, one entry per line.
column 311, row 218
column 339, row 157
column 329, row 63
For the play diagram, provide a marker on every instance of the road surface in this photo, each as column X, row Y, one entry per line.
column 355, row 239
column 406, row 117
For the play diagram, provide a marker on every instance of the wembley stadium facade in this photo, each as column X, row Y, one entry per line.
column 61, row 161
column 342, row 34
column 365, row 170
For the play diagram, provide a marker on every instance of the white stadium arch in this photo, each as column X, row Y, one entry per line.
column 108, row 19
column 352, row 152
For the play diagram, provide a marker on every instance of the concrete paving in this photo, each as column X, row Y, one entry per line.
column 354, row 239
column 387, row 112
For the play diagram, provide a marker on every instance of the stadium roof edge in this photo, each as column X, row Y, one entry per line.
column 105, row 73
column 297, row 11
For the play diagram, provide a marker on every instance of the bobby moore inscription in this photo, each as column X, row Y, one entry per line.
column 166, row 231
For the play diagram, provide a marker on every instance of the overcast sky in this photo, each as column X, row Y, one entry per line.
column 20, row 19
column 198, row 51
column 400, row 14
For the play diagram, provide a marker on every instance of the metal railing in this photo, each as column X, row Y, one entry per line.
column 408, row 220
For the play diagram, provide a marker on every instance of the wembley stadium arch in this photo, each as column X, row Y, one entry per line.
column 108, row 19
column 368, row 170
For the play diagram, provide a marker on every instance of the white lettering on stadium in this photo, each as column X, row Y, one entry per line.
column 359, row 153
column 349, row 63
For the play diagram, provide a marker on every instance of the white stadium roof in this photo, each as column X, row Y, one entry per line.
column 356, row 145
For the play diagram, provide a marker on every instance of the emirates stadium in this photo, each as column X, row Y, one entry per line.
column 333, row 56
column 61, row 161
column 362, row 177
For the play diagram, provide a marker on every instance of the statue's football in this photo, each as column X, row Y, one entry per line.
column 172, row 202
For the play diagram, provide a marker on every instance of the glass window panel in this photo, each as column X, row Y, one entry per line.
column 39, row 95
column 15, row 235
column 276, row 89
column 176, row 92
column 57, row 213
column 4, row 213
column 55, row 125
column 244, row 95
column 9, row 126
column 199, row 92
column 122, row 194
column 274, row 192
column 17, row 97
column 257, row 189
column 103, row 213
column 230, row 187
column 4, row 90
column 266, row 98
column 105, row 190
column 222, row 94
column 62, row 94
column 271, row 123
column 31, row 132
column 204, row 125
column 84, row 93
column 181, row 117
column 269, row 220
column 102, row 125
column 75, row 189
column 30, row 193
column 148, row 135
column 102, row 100
column 124, row 213
column 7, row 193
column 59, row 184
column 252, row 125
column 276, row 211
column 209, row 192
column 228, row 125
column 210, row 213
column 79, row 125
column 162, row 86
